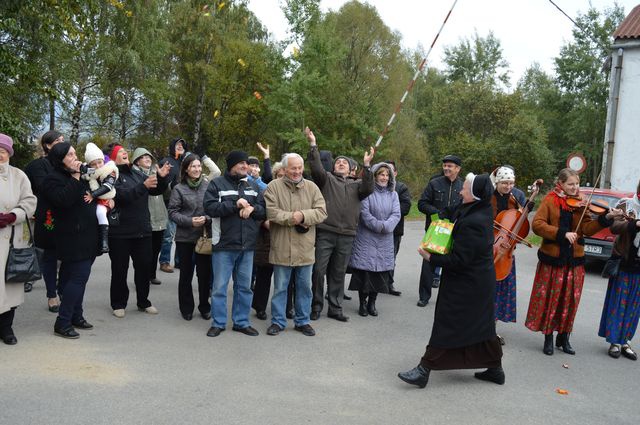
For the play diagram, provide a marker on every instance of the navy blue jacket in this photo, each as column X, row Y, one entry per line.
column 228, row 230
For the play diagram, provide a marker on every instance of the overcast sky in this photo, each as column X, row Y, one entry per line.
column 529, row 30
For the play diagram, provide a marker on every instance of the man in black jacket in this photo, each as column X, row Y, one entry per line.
column 405, row 205
column 236, row 208
column 441, row 192
column 131, row 237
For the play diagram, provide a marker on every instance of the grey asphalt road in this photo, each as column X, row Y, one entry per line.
column 161, row 369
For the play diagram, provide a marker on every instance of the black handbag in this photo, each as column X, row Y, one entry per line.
column 114, row 217
column 23, row 264
column 611, row 267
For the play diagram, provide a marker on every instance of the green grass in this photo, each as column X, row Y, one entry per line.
column 414, row 214
column 534, row 239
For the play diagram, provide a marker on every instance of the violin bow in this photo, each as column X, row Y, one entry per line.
column 595, row 185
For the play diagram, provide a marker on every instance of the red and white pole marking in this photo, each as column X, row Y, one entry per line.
column 415, row 77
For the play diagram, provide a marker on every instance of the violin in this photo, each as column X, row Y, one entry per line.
column 510, row 227
column 595, row 207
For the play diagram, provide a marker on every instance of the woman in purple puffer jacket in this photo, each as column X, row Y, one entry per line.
column 372, row 260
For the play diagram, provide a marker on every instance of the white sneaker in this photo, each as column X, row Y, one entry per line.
column 150, row 310
column 119, row 313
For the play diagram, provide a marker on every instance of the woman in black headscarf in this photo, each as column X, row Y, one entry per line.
column 464, row 330
column 75, row 233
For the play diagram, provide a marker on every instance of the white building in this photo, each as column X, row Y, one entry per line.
column 621, row 159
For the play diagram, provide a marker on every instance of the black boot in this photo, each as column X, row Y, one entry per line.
column 6, row 330
column 417, row 376
column 103, row 231
column 548, row 345
column 362, row 311
column 371, row 305
column 562, row 341
column 493, row 374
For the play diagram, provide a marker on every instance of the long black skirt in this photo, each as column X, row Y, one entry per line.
column 367, row 282
column 486, row 354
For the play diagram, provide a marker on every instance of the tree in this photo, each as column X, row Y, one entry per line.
column 348, row 77
column 477, row 60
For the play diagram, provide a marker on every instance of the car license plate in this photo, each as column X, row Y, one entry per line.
column 592, row 249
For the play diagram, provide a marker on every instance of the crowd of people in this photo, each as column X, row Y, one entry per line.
column 306, row 233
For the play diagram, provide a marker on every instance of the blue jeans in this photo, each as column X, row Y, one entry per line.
column 73, row 280
column 167, row 242
column 238, row 264
column 49, row 268
column 282, row 274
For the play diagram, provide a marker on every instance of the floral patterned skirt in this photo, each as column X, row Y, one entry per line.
column 621, row 308
column 555, row 296
column 506, row 296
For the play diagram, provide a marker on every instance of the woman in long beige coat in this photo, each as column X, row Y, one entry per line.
column 17, row 203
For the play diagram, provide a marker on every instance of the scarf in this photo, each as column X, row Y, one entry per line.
column 145, row 171
column 294, row 182
column 194, row 184
column 559, row 198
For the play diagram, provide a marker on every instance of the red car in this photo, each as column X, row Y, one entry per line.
column 599, row 246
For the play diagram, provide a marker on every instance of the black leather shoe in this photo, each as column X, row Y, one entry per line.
column 436, row 282
column 614, row 351
column 290, row 314
column 274, row 330
column 214, row 331
column 306, row 330
column 28, row 286
column 315, row 315
column 10, row 339
column 339, row 317
column 206, row 315
column 262, row 315
column 187, row 316
column 155, row 281
column 247, row 331
column 82, row 324
column 548, row 345
column 362, row 310
column 393, row 291
column 494, row 374
column 562, row 341
column 346, row 297
column 423, row 303
column 628, row 352
column 417, row 376
column 68, row 333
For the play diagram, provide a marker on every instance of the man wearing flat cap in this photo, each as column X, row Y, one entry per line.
column 441, row 192
column 236, row 208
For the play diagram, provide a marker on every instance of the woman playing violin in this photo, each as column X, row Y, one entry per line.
column 621, row 308
column 557, row 285
column 506, row 196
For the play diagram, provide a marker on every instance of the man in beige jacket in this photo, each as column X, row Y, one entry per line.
column 294, row 207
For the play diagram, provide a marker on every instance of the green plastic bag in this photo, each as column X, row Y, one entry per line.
column 437, row 239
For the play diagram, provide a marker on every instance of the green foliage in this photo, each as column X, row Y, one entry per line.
column 145, row 72
column 477, row 60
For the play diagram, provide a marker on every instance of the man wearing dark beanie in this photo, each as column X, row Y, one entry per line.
column 236, row 208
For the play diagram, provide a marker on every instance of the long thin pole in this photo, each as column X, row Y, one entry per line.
column 413, row 80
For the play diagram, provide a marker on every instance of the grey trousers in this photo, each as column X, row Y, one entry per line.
column 332, row 257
